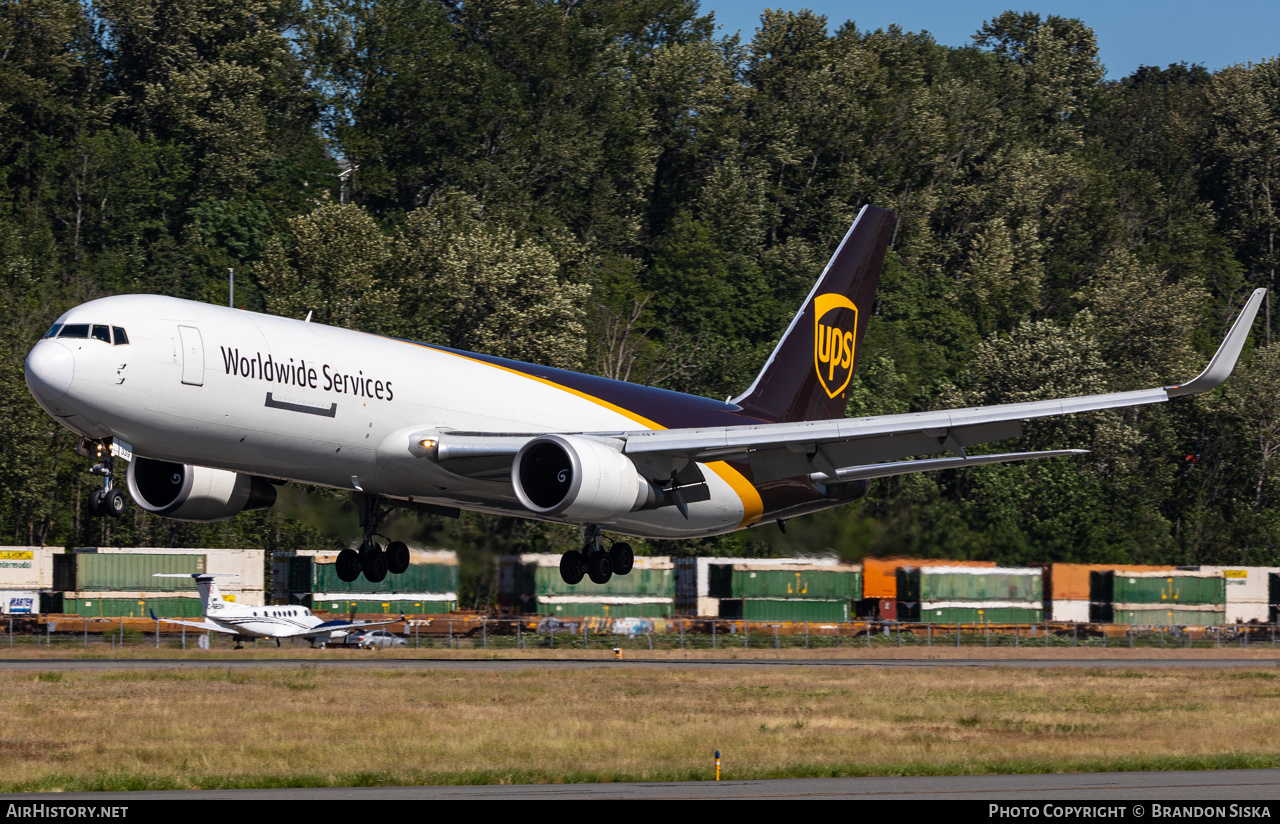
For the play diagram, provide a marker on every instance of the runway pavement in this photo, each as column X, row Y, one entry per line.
column 1240, row 786
column 498, row 665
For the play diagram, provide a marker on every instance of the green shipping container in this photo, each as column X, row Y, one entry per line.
column 364, row 607
column 307, row 576
column 128, row 571
column 1168, row 618
column 130, row 608
column 973, row 615
column 1168, row 590
column 607, row 610
column 924, row 584
column 642, row 583
column 823, row 584
column 786, row 609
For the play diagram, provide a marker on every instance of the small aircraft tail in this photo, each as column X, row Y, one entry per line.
column 206, row 585
column 807, row 376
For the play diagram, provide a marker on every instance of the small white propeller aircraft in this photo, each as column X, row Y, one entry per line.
column 221, row 615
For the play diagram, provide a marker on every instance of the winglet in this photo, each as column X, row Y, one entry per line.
column 152, row 612
column 1224, row 360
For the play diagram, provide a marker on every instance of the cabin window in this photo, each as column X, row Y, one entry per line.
column 120, row 337
column 74, row 330
column 53, row 331
column 102, row 333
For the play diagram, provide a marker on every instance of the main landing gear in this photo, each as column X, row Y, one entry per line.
column 108, row 500
column 371, row 559
column 595, row 561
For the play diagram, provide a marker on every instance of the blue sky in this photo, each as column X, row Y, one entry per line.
column 1130, row 32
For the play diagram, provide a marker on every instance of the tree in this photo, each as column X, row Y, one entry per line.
column 333, row 263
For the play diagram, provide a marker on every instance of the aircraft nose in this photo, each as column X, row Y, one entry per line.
column 50, row 368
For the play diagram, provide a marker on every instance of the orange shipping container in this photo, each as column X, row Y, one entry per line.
column 880, row 576
column 1070, row 582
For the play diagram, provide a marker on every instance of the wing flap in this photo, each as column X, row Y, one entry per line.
column 886, row 470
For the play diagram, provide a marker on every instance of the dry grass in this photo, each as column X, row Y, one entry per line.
column 312, row 726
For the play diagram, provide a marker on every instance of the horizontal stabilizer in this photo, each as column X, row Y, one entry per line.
column 886, row 470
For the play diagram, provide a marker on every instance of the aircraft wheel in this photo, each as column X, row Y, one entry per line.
column 622, row 558
column 113, row 503
column 374, row 561
column 599, row 568
column 397, row 557
column 571, row 567
column 348, row 565
column 95, row 503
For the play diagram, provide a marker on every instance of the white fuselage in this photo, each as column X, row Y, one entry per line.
column 236, row 390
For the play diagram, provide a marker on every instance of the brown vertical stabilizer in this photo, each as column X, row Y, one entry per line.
column 807, row 376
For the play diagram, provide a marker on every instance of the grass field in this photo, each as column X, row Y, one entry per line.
column 312, row 726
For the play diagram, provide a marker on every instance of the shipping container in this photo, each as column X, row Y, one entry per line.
column 758, row 581
column 165, row 606
column 968, row 584
column 246, row 565
column 707, row 607
column 1178, row 587
column 880, row 575
column 702, row 569
column 90, row 572
column 1247, row 612
column 27, row 567
column 319, row 573
column 1064, row 610
column 524, row 579
column 1070, row 582
column 418, row 605
column 19, row 602
column 1164, row 617
column 784, row 609
column 978, row 614
column 1245, row 585
column 886, row 609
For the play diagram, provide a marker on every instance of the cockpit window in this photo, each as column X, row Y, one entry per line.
column 102, row 333
column 74, row 330
column 53, row 331
column 121, row 337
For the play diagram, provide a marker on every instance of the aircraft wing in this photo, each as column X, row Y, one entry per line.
column 839, row 450
column 202, row 625
column 342, row 626
column 834, row 451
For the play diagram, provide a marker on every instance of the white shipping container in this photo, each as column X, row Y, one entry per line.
column 1064, row 610
column 27, row 567
column 1244, row 612
column 1245, row 585
column 19, row 602
column 709, row 607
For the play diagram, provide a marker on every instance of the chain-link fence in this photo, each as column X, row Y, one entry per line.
column 638, row 634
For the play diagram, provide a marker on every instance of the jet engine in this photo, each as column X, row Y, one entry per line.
column 577, row 479
column 195, row 493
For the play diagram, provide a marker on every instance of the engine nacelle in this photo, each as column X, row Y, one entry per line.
column 195, row 493
column 577, row 479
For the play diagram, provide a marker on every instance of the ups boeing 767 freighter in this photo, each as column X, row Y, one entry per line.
column 210, row 407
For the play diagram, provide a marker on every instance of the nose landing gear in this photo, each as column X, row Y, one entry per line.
column 595, row 561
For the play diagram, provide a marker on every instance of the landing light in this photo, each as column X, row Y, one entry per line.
column 427, row 443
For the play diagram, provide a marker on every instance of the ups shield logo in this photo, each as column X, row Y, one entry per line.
column 835, row 330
